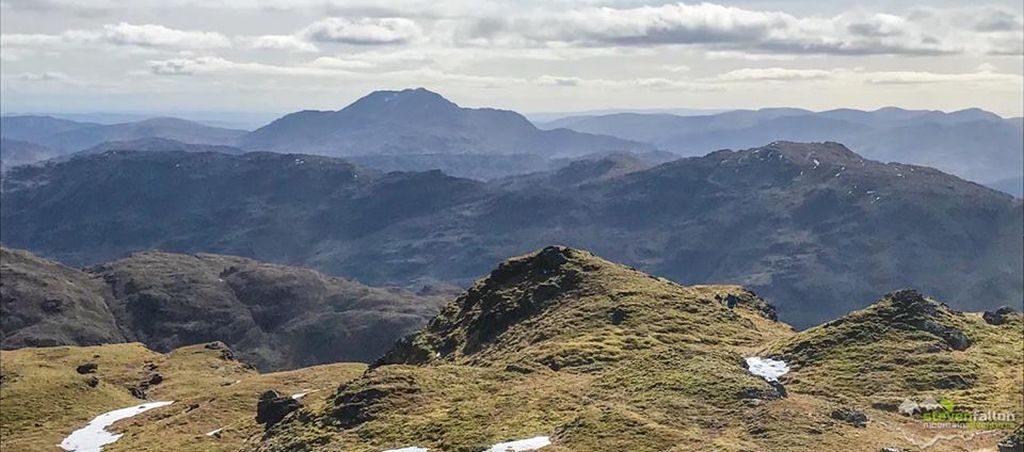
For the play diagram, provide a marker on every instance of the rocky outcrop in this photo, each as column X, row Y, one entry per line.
column 1000, row 316
column 272, row 407
column 850, row 416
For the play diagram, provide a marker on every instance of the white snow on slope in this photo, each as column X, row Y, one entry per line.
column 521, row 445
column 767, row 368
column 94, row 435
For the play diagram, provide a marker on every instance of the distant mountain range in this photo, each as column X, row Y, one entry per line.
column 169, row 300
column 70, row 136
column 815, row 228
column 973, row 144
column 417, row 130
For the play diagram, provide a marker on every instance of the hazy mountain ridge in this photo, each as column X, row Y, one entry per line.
column 796, row 222
column 973, row 143
column 16, row 152
column 276, row 317
column 418, row 121
column 71, row 136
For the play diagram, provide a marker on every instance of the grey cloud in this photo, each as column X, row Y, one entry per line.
column 364, row 31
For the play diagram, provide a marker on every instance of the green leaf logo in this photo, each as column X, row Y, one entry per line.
column 947, row 404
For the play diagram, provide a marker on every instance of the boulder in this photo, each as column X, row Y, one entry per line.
column 999, row 316
column 851, row 416
column 273, row 407
column 86, row 368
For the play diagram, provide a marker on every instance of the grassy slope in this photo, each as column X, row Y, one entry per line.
column 43, row 398
column 532, row 351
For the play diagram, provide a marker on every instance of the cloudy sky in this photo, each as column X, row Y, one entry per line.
column 529, row 55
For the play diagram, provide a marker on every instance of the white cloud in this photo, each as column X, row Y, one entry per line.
column 654, row 83
column 218, row 65
column 984, row 75
column 49, row 76
column 121, row 34
column 365, row 31
column 340, row 63
column 282, row 42
column 150, row 35
column 774, row 74
column 914, row 77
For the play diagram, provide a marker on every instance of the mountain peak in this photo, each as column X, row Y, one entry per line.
column 403, row 99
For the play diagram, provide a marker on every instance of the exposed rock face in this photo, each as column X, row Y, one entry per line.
column 275, row 316
column 273, row 407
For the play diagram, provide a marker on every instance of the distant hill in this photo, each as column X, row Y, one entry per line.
column 159, row 145
column 418, row 121
column 70, row 136
column 17, row 152
column 815, row 228
column 276, row 317
column 973, row 143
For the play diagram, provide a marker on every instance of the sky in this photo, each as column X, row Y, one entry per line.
column 167, row 56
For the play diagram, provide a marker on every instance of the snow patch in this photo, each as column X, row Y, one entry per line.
column 521, row 445
column 95, row 435
column 214, row 432
column 299, row 395
column 816, row 163
column 767, row 368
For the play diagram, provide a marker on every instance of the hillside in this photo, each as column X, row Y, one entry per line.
column 276, row 317
column 47, row 304
column 17, row 152
column 815, row 228
column 44, row 397
column 595, row 356
column 159, row 145
column 973, row 144
column 70, row 136
column 909, row 344
column 418, row 121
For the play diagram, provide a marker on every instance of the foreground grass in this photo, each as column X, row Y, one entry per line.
column 43, row 398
